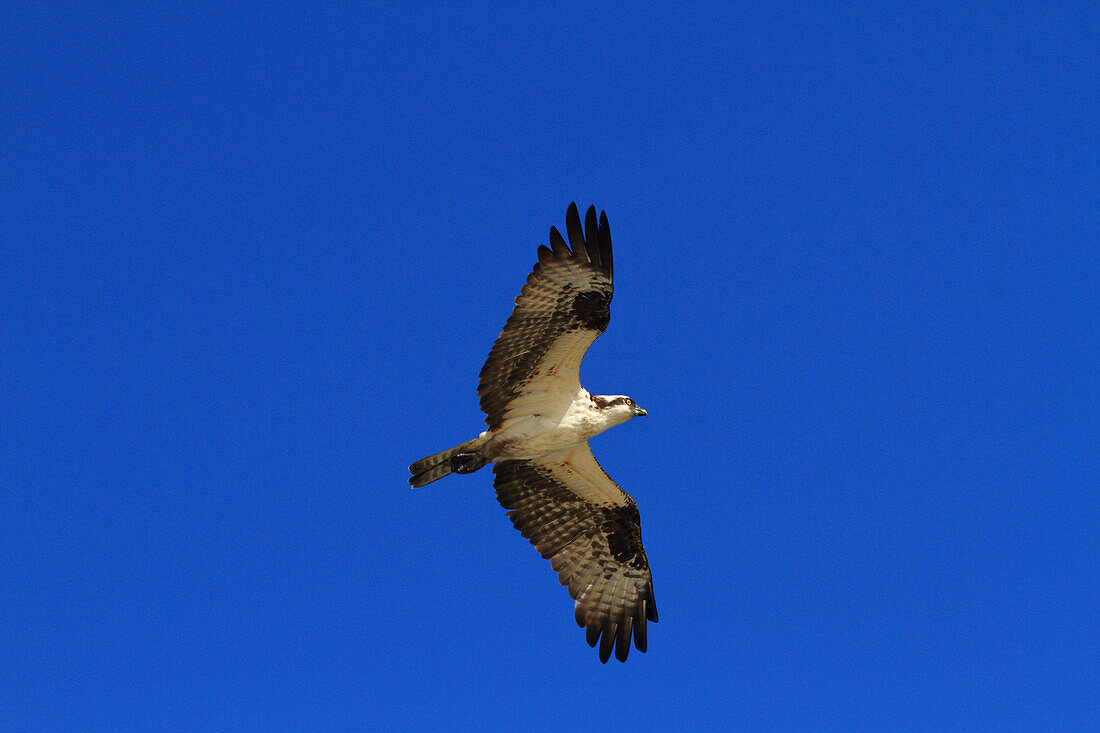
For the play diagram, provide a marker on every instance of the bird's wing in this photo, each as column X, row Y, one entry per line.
column 589, row 529
column 534, row 366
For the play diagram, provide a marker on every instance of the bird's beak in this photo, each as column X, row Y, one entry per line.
column 639, row 412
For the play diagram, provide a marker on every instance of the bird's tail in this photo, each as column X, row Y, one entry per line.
column 463, row 458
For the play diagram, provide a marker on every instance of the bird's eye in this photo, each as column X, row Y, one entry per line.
column 630, row 402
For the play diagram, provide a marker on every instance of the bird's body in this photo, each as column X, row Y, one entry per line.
column 539, row 433
column 540, row 420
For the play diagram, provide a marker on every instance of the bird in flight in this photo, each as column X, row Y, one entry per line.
column 540, row 420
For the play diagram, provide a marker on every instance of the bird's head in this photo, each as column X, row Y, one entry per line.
column 617, row 408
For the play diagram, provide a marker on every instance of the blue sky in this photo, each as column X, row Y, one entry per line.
column 253, row 259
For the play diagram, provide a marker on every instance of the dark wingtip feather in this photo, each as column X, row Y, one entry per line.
column 607, row 643
column 545, row 253
column 639, row 633
column 622, row 643
column 558, row 243
column 651, row 608
column 605, row 244
column 592, row 237
column 592, row 634
column 573, row 227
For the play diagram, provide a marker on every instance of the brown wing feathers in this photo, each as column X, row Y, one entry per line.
column 596, row 550
column 567, row 296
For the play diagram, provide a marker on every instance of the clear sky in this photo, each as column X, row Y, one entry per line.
column 252, row 260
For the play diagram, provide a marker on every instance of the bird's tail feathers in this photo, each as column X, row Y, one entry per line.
column 463, row 458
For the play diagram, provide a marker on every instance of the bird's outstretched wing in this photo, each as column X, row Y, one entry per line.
column 534, row 366
column 589, row 529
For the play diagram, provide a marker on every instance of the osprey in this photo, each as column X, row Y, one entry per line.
column 540, row 420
